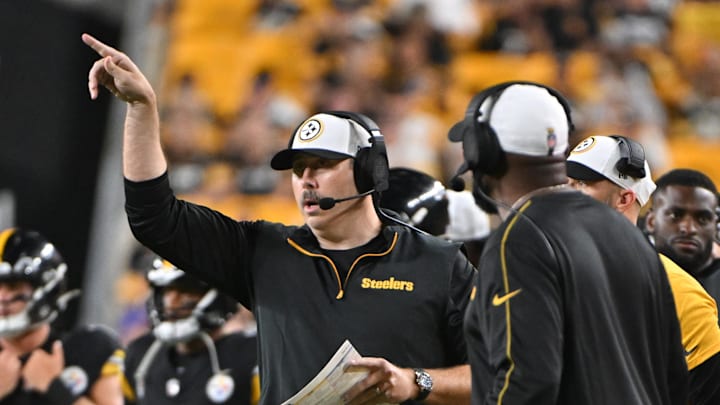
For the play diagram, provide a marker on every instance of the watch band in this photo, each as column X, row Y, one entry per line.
column 424, row 382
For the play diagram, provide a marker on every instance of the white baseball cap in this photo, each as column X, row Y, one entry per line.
column 596, row 158
column 527, row 119
column 325, row 135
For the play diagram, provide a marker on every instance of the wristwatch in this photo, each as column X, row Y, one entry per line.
column 424, row 382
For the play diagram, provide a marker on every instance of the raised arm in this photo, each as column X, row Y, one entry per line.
column 143, row 158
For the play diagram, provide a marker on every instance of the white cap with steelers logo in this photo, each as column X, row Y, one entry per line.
column 596, row 158
column 324, row 135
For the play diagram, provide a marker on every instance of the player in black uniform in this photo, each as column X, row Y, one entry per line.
column 350, row 273
column 683, row 223
column 186, row 358
column 424, row 202
column 40, row 365
column 419, row 199
column 557, row 317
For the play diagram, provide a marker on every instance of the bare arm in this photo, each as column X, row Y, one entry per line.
column 105, row 391
column 450, row 385
column 389, row 383
column 143, row 158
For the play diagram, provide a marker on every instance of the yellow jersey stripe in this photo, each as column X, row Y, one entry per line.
column 506, row 285
column 127, row 389
column 114, row 365
column 255, row 387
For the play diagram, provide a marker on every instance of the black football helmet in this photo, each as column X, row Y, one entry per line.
column 209, row 313
column 419, row 199
column 28, row 256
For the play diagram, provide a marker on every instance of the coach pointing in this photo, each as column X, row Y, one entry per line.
column 310, row 287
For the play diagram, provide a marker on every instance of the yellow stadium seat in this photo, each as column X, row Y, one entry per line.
column 696, row 153
column 700, row 19
column 581, row 73
column 696, row 26
column 477, row 70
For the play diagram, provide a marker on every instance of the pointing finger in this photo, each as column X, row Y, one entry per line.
column 97, row 46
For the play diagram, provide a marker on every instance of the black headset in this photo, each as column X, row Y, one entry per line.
column 483, row 153
column 481, row 148
column 371, row 167
column 632, row 157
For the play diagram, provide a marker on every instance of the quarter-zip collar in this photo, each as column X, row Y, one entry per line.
column 306, row 243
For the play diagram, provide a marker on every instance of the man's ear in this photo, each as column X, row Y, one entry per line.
column 650, row 221
column 626, row 200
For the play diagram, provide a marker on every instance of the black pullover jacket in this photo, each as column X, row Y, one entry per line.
column 404, row 302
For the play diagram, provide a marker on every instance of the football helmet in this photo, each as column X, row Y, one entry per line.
column 210, row 312
column 28, row 256
column 418, row 198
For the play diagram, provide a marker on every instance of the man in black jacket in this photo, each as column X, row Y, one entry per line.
column 396, row 294
column 613, row 169
column 557, row 317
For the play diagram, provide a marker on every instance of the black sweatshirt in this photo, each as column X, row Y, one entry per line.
column 573, row 307
column 404, row 302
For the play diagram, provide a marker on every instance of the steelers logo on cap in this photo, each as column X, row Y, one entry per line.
column 584, row 145
column 310, row 130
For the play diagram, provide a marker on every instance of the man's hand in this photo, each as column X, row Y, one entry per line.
column 385, row 383
column 143, row 157
column 118, row 74
column 10, row 372
column 41, row 368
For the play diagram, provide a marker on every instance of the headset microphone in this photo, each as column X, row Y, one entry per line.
column 328, row 202
column 457, row 183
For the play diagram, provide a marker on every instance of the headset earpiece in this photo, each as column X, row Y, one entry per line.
column 379, row 165
column 371, row 167
column 481, row 148
column 363, row 179
column 632, row 157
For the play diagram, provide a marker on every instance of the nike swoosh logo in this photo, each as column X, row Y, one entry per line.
column 497, row 301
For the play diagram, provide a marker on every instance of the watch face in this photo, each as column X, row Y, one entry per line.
column 423, row 380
